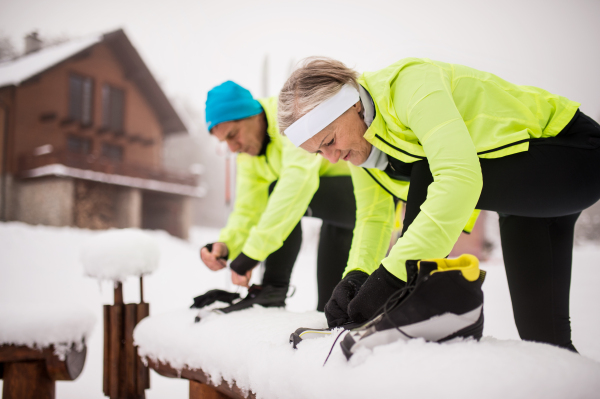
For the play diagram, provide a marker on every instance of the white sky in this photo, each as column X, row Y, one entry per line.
column 191, row 45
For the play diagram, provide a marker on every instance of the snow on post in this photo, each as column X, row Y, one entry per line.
column 118, row 254
column 45, row 325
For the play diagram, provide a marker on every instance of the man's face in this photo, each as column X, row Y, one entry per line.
column 245, row 135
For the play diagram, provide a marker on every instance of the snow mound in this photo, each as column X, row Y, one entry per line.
column 118, row 254
column 251, row 348
column 42, row 326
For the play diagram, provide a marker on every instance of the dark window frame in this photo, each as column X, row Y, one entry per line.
column 79, row 144
column 113, row 152
column 81, row 98
column 113, row 107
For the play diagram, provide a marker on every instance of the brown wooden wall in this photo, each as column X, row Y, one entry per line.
column 42, row 107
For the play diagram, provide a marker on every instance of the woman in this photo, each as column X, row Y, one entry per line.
column 465, row 140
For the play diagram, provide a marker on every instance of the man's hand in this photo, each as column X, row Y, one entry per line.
column 214, row 255
column 241, row 280
column 241, row 269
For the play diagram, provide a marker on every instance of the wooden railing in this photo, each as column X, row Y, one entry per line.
column 104, row 165
column 31, row 373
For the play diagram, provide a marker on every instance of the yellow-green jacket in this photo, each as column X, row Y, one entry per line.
column 450, row 115
column 260, row 223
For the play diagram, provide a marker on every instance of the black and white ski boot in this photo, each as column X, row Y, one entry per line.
column 442, row 300
column 267, row 296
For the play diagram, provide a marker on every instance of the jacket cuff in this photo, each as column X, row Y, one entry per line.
column 243, row 264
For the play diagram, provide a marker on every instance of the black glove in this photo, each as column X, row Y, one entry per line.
column 242, row 264
column 213, row 296
column 336, row 309
column 373, row 294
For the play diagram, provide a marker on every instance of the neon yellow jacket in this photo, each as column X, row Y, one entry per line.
column 260, row 223
column 450, row 115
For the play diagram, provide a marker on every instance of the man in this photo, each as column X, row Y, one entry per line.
column 277, row 184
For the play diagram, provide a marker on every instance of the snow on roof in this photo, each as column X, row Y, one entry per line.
column 18, row 70
column 251, row 349
column 118, row 254
column 120, row 180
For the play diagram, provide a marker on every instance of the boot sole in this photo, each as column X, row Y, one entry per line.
column 436, row 329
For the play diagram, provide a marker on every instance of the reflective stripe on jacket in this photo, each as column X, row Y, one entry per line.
column 450, row 115
column 259, row 223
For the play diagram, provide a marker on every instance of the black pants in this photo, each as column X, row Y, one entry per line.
column 334, row 203
column 539, row 194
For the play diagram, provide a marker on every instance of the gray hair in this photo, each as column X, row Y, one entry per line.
column 314, row 81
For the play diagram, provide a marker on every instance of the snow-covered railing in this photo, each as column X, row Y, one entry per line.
column 39, row 346
column 116, row 255
column 246, row 354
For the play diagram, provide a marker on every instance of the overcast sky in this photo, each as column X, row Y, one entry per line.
column 190, row 46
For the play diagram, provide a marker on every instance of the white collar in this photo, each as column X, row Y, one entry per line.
column 377, row 158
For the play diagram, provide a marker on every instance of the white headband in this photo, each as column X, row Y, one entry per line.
column 322, row 115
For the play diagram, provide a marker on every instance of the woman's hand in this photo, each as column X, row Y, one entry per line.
column 380, row 285
column 336, row 309
column 214, row 255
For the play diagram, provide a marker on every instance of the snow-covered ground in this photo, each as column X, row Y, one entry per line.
column 40, row 266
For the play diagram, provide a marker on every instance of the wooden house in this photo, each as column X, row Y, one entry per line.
column 82, row 126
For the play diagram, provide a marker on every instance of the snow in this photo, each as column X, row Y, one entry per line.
column 42, row 265
column 259, row 358
column 118, row 254
column 42, row 325
column 16, row 71
column 119, row 180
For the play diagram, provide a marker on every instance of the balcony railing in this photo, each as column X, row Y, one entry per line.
column 100, row 164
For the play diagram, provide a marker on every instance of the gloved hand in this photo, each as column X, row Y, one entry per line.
column 336, row 309
column 373, row 294
column 213, row 296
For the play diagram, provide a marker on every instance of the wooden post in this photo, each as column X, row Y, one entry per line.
column 142, row 377
column 106, row 374
column 130, row 352
column 31, row 373
column 27, row 380
column 125, row 376
column 115, row 351
column 141, row 289
column 118, row 293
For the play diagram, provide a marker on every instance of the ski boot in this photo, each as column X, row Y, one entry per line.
column 266, row 296
column 442, row 300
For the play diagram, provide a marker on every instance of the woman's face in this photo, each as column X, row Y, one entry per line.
column 342, row 139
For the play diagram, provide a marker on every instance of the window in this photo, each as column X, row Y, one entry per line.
column 79, row 145
column 112, row 152
column 112, row 108
column 80, row 99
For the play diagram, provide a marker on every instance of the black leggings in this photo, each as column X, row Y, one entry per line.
column 334, row 203
column 539, row 194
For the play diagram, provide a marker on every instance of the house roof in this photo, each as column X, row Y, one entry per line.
column 19, row 70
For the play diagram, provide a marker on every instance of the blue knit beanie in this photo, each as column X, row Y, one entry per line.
column 229, row 102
